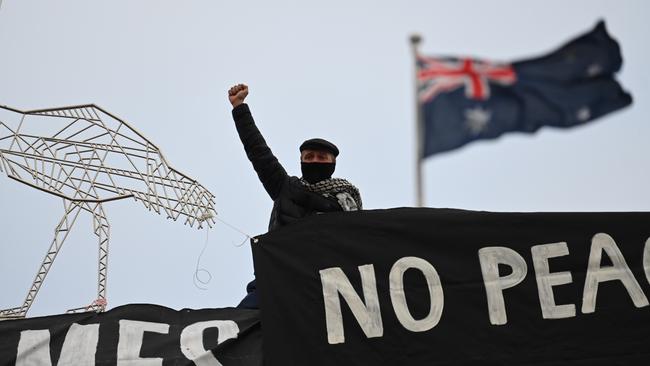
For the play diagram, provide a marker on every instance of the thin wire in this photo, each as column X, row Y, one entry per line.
column 240, row 244
column 198, row 270
column 248, row 237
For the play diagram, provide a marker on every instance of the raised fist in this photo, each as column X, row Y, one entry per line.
column 237, row 94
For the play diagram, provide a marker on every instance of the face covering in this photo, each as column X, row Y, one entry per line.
column 315, row 172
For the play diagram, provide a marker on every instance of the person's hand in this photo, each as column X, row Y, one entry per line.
column 295, row 203
column 237, row 94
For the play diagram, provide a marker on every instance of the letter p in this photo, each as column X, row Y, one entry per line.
column 490, row 258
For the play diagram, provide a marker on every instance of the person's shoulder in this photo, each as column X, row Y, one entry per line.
column 290, row 182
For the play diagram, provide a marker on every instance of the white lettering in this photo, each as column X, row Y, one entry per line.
column 619, row 271
column 398, row 297
column 192, row 340
column 490, row 258
column 79, row 346
column 368, row 315
column 130, row 343
column 34, row 348
column 546, row 280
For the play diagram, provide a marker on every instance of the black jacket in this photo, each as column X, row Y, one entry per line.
column 290, row 200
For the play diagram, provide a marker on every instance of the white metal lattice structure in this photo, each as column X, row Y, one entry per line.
column 88, row 157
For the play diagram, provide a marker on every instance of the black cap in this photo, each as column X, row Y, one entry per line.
column 320, row 144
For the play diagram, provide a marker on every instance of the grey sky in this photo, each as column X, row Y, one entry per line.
column 336, row 69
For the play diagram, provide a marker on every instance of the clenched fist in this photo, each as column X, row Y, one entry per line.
column 237, row 94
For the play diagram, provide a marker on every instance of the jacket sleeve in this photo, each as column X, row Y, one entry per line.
column 268, row 168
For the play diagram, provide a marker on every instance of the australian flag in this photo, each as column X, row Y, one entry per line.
column 465, row 99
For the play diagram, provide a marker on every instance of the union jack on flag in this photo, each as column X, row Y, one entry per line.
column 437, row 75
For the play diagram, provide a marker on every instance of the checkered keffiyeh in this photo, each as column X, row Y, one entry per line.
column 334, row 187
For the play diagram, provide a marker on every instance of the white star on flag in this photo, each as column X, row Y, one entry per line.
column 583, row 114
column 594, row 70
column 477, row 119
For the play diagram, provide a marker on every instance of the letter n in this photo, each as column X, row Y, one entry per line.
column 367, row 314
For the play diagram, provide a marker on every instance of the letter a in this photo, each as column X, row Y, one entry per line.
column 619, row 271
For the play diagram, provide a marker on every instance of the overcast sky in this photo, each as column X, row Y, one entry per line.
column 336, row 69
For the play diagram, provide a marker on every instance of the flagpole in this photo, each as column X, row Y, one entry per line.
column 419, row 194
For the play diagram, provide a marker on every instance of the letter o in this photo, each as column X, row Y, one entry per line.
column 398, row 297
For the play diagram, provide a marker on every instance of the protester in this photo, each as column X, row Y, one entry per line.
column 293, row 198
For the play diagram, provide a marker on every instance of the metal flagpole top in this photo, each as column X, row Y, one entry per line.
column 415, row 40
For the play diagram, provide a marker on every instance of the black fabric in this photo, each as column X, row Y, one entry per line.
column 320, row 144
column 242, row 347
column 291, row 261
column 316, row 172
column 252, row 299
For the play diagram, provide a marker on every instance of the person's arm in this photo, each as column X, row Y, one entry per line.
column 268, row 168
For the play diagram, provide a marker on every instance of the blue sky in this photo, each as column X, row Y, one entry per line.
column 341, row 70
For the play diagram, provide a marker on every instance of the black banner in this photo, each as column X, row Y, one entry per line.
column 452, row 287
column 135, row 335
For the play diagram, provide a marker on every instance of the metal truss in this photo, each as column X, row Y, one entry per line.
column 88, row 157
